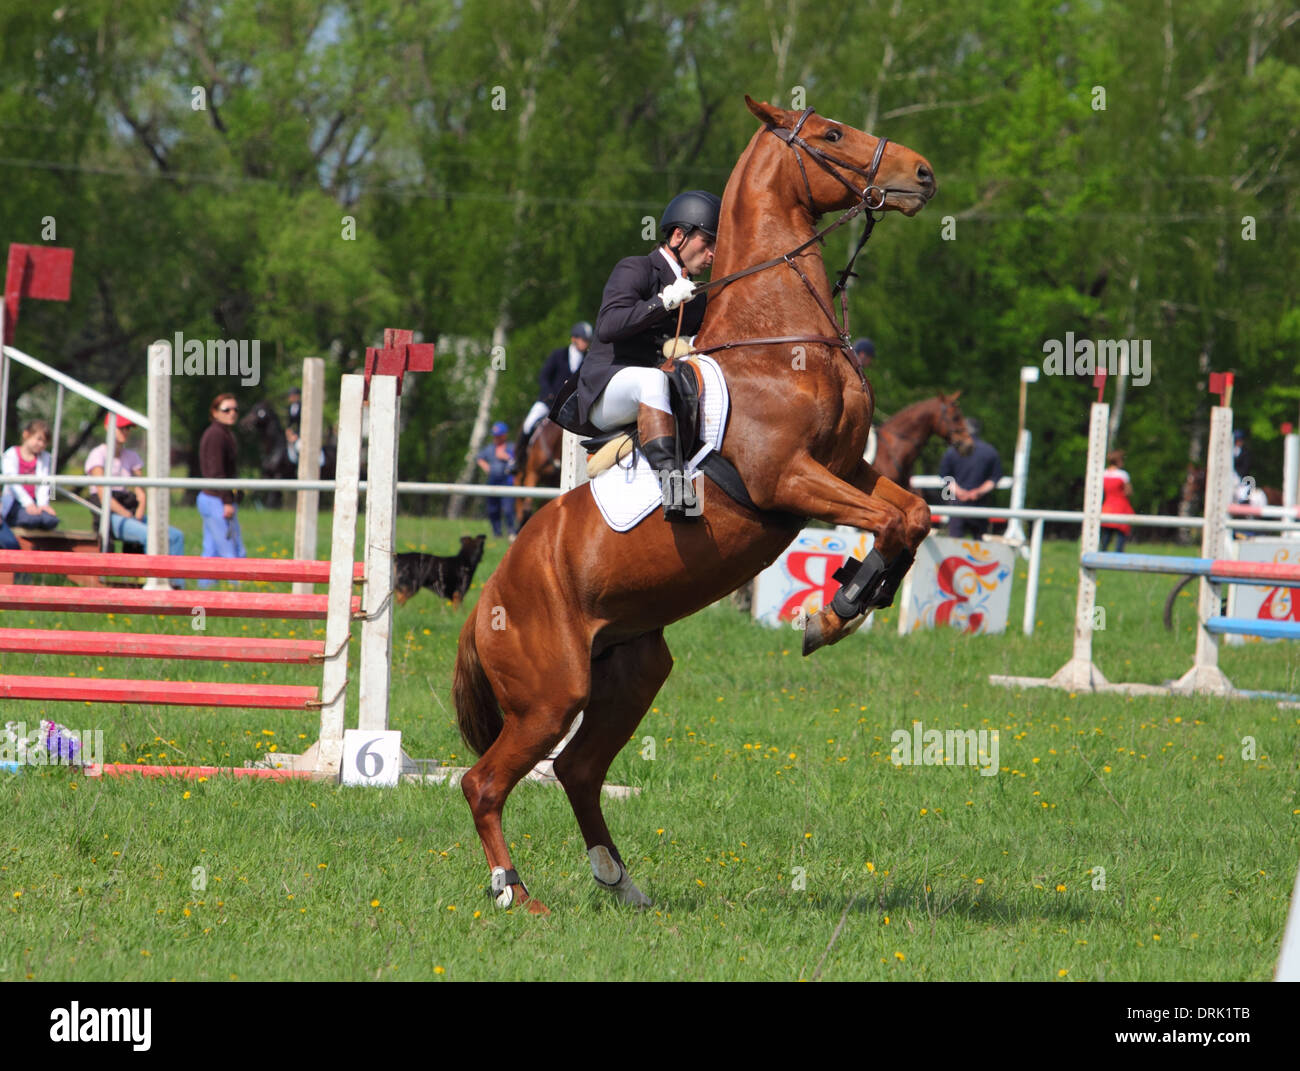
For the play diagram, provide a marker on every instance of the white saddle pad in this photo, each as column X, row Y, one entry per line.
column 629, row 492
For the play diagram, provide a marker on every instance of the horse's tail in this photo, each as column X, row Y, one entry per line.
column 478, row 714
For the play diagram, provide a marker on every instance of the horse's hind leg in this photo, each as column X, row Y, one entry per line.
column 624, row 683
column 523, row 742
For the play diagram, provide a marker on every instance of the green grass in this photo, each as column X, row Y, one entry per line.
column 764, row 762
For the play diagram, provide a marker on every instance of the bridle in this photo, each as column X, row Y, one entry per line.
column 871, row 199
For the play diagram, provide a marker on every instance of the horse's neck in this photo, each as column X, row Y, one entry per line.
column 756, row 226
column 911, row 430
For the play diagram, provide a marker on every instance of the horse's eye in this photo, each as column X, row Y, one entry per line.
column 832, row 135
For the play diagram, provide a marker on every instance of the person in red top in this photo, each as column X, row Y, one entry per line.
column 27, row 505
column 1116, row 490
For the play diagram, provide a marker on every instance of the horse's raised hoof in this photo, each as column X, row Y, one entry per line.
column 826, row 628
column 612, row 876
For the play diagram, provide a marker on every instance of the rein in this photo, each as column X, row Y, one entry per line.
column 866, row 202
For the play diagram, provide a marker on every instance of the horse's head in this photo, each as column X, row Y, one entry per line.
column 258, row 417
column 950, row 424
column 840, row 166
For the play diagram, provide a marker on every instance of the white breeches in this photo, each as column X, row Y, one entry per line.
column 535, row 414
column 630, row 387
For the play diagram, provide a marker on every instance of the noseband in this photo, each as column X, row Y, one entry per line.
column 871, row 199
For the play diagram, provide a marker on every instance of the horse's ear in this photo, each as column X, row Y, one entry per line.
column 764, row 112
column 955, row 397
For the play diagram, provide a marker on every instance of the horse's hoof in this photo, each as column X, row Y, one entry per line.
column 534, row 906
column 819, row 629
column 826, row 628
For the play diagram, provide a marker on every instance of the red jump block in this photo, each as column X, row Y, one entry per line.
column 213, row 603
column 190, row 773
column 178, row 567
column 35, row 271
column 142, row 645
column 398, row 356
column 163, row 693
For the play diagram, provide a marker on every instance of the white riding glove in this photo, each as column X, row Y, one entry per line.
column 674, row 294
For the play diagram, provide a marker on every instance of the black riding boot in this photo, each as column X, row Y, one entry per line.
column 520, row 461
column 657, row 431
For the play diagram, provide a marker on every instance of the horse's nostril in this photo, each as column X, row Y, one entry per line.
column 924, row 174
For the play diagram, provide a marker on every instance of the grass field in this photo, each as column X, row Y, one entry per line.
column 772, row 830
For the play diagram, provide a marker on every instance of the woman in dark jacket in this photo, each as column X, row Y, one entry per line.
column 218, row 460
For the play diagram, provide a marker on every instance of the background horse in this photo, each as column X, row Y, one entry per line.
column 599, row 599
column 273, row 450
column 900, row 439
column 541, row 466
column 1191, row 500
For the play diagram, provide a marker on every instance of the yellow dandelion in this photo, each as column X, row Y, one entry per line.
column 374, row 903
column 899, row 956
column 1060, row 888
column 1062, row 973
column 439, row 970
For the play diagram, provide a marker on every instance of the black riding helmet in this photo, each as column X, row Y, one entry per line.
column 691, row 210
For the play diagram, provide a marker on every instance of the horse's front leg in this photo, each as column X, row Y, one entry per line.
column 898, row 519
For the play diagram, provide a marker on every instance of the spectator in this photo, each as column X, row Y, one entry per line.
column 1116, row 490
column 866, row 351
column 973, row 474
column 126, row 518
column 1241, row 468
column 27, row 505
column 495, row 461
column 219, row 460
column 8, row 541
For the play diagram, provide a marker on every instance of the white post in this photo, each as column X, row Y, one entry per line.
column 329, row 753
column 1031, row 585
column 1019, row 476
column 106, row 492
column 1290, row 478
column 381, row 512
column 1079, row 674
column 58, row 428
column 158, row 454
column 309, row 442
column 1205, row 675
column 573, row 463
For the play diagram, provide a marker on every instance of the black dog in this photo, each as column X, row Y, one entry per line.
column 447, row 577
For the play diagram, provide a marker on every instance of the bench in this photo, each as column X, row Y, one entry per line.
column 70, row 541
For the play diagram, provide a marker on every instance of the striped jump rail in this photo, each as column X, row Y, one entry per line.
column 145, row 645
column 162, row 693
column 133, row 601
column 174, row 567
column 1217, row 570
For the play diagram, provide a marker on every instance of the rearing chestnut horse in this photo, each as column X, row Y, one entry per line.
column 573, row 618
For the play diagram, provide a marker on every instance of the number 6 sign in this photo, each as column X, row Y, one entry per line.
column 372, row 757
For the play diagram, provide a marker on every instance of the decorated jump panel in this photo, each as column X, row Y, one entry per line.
column 802, row 580
column 958, row 583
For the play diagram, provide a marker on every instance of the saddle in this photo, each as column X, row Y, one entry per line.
column 606, row 448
